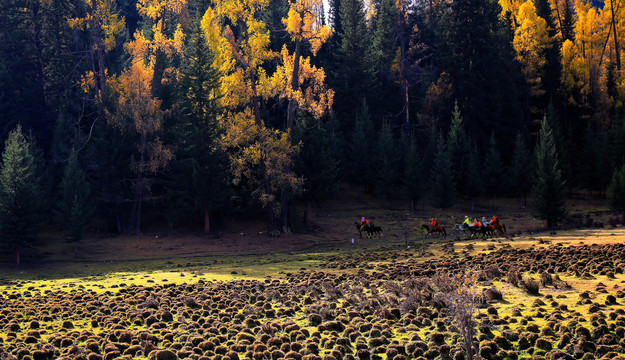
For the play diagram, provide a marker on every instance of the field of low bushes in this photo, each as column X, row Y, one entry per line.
column 556, row 297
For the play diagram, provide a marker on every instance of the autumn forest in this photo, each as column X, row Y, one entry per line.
column 112, row 109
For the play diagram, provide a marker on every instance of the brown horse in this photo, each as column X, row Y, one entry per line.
column 436, row 229
column 500, row 228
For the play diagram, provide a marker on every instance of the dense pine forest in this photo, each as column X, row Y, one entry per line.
column 112, row 109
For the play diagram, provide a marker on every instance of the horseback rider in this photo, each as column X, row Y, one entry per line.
column 484, row 222
column 434, row 223
column 364, row 222
column 467, row 222
column 477, row 223
column 495, row 221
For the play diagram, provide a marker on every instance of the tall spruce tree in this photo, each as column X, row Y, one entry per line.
column 519, row 179
column 76, row 207
column 567, row 27
column 562, row 142
column 361, row 147
column 493, row 168
column 443, row 192
column 315, row 162
column 384, row 162
column 199, row 176
column 21, row 200
column 548, row 189
column 551, row 79
column 413, row 174
column 474, row 180
column 475, row 49
column 383, row 51
column 459, row 152
column 351, row 76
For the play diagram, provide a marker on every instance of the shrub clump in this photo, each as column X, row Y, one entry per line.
column 531, row 286
column 543, row 344
column 514, row 276
column 493, row 294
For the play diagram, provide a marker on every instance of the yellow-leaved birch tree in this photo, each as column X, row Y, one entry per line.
column 303, row 84
column 531, row 40
column 105, row 26
column 259, row 155
column 138, row 109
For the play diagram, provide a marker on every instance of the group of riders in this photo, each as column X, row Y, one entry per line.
column 476, row 223
column 473, row 227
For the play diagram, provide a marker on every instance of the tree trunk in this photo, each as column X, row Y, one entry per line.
column 207, row 224
column 616, row 49
column 96, row 27
column 401, row 20
column 285, row 196
column 135, row 215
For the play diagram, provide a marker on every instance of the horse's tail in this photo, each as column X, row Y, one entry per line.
column 504, row 227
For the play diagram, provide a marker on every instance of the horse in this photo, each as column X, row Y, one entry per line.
column 437, row 229
column 374, row 230
column 484, row 230
column 361, row 228
column 501, row 228
column 370, row 229
column 472, row 230
column 464, row 230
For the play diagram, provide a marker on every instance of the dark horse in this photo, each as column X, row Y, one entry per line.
column 370, row 229
column 437, row 229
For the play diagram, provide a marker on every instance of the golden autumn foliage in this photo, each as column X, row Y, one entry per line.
column 437, row 97
column 302, row 24
column 531, row 39
column 258, row 154
column 101, row 14
column 302, row 82
column 106, row 27
column 312, row 94
column 511, row 7
column 160, row 13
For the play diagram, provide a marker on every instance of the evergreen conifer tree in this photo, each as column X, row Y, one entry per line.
column 443, row 189
column 76, row 207
column 384, row 162
column 561, row 142
column 548, row 189
column 616, row 191
column 200, row 176
column 474, row 182
column 315, row 162
column 568, row 22
column 350, row 76
column 21, row 199
column 520, row 168
column 413, row 174
column 494, row 169
column 551, row 79
column 361, row 146
column 459, row 151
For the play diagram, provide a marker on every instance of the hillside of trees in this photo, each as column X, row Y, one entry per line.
column 193, row 108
